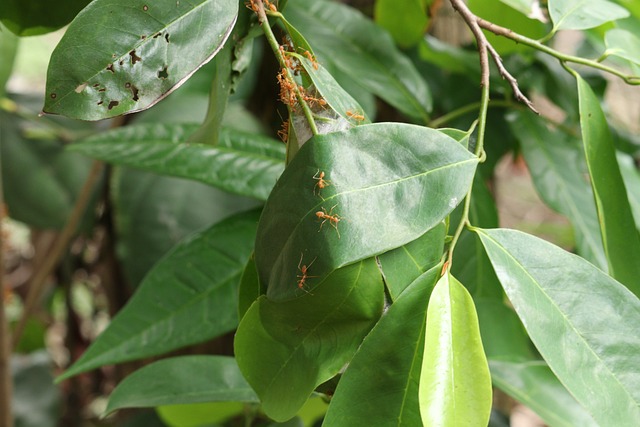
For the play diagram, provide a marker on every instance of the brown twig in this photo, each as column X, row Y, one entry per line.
column 485, row 49
column 59, row 246
column 6, row 382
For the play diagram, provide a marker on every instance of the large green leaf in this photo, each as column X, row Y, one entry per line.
column 147, row 226
column 188, row 297
column 357, row 47
column 503, row 335
column 557, row 169
column 118, row 57
column 180, row 380
column 617, row 226
column 406, row 21
column 242, row 163
column 41, row 181
column 401, row 266
column 534, row 385
column 583, row 14
column 286, row 349
column 582, row 321
column 33, row 17
column 421, row 170
column 386, row 368
column 455, row 385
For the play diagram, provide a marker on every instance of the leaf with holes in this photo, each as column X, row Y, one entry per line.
column 242, row 163
column 121, row 56
column 188, row 297
column 583, row 14
column 421, row 171
column 583, row 322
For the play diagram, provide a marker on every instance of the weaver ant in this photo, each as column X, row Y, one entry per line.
column 302, row 278
column 355, row 116
column 322, row 183
column 327, row 216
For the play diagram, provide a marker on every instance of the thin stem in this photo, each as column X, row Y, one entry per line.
column 271, row 39
column 505, row 32
column 59, row 246
column 452, row 115
column 6, row 382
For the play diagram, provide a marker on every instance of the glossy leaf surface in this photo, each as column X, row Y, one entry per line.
column 33, row 17
column 386, row 368
column 455, row 385
column 420, row 169
column 616, row 220
column 557, row 169
column 583, row 14
column 286, row 349
column 188, row 297
column 180, row 380
column 242, row 163
column 556, row 294
column 357, row 47
column 534, row 385
column 93, row 77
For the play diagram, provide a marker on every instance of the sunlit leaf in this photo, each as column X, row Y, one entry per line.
column 623, row 44
column 583, row 14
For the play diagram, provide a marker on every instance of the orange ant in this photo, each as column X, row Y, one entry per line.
column 355, row 116
column 322, row 183
column 327, row 216
column 311, row 58
column 287, row 89
column 302, row 278
column 283, row 133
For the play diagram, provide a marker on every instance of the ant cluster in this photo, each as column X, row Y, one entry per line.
column 252, row 4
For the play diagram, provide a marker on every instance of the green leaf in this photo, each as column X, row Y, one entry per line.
column 403, row 265
column 557, row 169
column 117, row 57
column 242, row 163
column 188, row 297
column 386, row 368
column 286, row 349
column 41, row 181
column 583, row 14
column 534, row 385
column 623, row 44
column 582, row 321
column 420, row 169
column 359, row 48
column 180, row 380
column 406, row 21
column 8, row 49
column 33, row 17
column 200, row 414
column 455, row 385
column 631, row 176
column 503, row 335
column 250, row 287
column 621, row 246
column 529, row 8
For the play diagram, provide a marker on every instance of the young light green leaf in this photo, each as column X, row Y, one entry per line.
column 455, row 385
column 534, row 385
column 623, row 44
column 286, row 349
column 406, row 21
column 117, row 58
column 621, row 246
column 188, row 297
column 557, row 170
column 386, row 368
column 556, row 294
column 242, row 163
column 409, row 166
column 583, row 14
column 180, row 380
column 357, row 47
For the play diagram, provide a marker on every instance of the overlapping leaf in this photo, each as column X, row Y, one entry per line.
column 583, row 14
column 180, row 380
column 286, row 349
column 118, row 57
column 621, row 246
column 188, row 297
column 386, row 368
column 582, row 321
column 421, row 170
column 242, row 163
column 359, row 48
column 455, row 385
